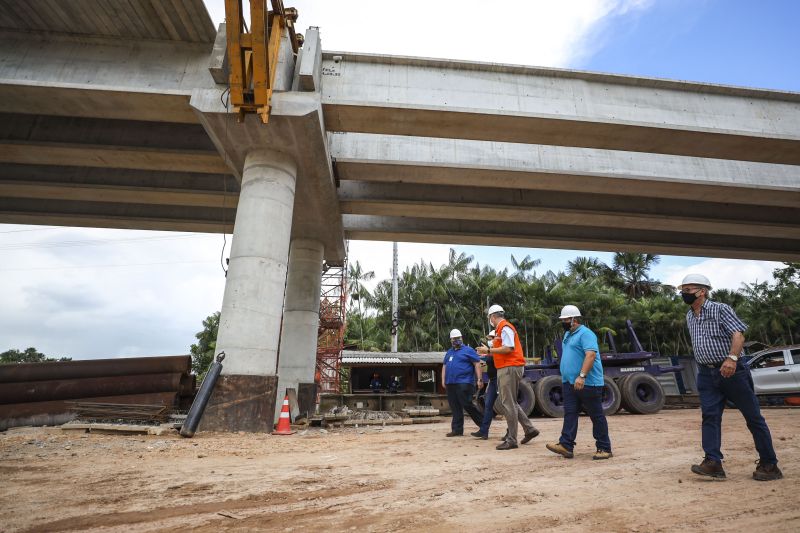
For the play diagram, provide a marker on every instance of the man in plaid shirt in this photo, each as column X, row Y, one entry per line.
column 717, row 340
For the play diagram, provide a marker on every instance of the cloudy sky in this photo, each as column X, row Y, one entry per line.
column 89, row 293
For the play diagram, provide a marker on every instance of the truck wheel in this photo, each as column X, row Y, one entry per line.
column 526, row 397
column 612, row 397
column 642, row 394
column 549, row 397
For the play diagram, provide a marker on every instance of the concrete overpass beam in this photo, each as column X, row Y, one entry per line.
column 298, row 352
column 244, row 398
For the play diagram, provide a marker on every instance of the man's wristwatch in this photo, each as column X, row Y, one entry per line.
column 735, row 358
column 582, row 375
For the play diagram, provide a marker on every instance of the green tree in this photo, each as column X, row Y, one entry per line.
column 203, row 351
column 358, row 293
column 29, row 355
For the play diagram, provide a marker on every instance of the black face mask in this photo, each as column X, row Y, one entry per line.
column 566, row 325
column 688, row 297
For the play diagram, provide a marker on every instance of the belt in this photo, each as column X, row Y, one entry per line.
column 716, row 365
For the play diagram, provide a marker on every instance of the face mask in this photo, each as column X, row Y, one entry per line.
column 457, row 344
column 566, row 325
column 688, row 297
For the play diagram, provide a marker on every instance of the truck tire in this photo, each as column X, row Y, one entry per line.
column 612, row 397
column 549, row 397
column 642, row 394
column 526, row 398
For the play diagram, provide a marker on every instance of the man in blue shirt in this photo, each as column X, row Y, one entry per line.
column 462, row 368
column 582, row 385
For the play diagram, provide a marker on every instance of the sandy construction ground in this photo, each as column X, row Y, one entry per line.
column 397, row 478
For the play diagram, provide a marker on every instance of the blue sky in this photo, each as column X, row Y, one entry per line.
column 731, row 42
column 90, row 293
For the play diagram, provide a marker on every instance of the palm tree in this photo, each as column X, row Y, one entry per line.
column 586, row 268
column 355, row 278
column 633, row 271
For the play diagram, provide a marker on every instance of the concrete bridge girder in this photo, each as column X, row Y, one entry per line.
column 462, row 100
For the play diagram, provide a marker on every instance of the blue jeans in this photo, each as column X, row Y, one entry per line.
column 490, row 396
column 459, row 396
column 591, row 399
column 714, row 390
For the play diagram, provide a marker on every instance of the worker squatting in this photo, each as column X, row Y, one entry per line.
column 717, row 340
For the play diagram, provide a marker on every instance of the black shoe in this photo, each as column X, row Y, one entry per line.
column 505, row 445
column 710, row 468
column 454, row 434
column 767, row 471
column 479, row 435
column 529, row 436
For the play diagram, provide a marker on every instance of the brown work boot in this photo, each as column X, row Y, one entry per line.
column 602, row 454
column 710, row 468
column 529, row 436
column 766, row 471
column 560, row 450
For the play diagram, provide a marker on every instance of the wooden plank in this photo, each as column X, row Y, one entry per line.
column 186, row 21
column 258, row 30
column 169, row 31
column 145, row 14
column 105, row 21
column 124, row 429
column 233, row 29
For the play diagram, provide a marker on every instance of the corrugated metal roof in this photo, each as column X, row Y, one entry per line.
column 167, row 20
column 387, row 358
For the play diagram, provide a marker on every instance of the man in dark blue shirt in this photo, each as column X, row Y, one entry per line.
column 461, row 370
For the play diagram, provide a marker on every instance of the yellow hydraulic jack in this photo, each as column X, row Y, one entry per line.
column 253, row 55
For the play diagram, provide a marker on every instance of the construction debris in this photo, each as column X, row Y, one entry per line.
column 116, row 429
column 97, row 411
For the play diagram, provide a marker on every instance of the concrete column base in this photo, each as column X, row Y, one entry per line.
column 241, row 403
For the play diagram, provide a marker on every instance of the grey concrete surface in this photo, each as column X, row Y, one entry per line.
column 298, row 347
column 252, row 305
column 463, row 100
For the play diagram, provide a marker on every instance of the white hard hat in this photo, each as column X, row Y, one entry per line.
column 695, row 279
column 569, row 311
column 454, row 334
column 495, row 309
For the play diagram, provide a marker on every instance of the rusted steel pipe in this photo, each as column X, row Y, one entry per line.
column 95, row 368
column 68, row 389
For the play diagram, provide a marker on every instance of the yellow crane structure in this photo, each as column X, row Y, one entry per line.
column 253, row 52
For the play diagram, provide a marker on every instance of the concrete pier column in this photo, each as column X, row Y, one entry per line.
column 250, row 322
column 298, row 353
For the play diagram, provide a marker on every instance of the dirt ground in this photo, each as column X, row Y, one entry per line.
column 397, row 478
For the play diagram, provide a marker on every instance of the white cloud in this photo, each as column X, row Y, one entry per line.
column 126, row 293
column 376, row 256
column 724, row 273
column 517, row 31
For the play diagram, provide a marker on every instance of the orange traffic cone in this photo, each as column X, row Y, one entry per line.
column 283, row 422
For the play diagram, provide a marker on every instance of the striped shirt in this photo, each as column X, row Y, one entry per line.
column 712, row 331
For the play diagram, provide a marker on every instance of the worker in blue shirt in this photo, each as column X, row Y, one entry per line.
column 375, row 384
column 462, row 368
column 582, row 386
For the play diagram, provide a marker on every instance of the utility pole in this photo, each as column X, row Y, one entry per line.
column 395, row 322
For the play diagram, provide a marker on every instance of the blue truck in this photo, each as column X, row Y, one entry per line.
column 630, row 381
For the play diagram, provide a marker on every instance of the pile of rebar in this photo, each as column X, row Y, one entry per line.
column 119, row 411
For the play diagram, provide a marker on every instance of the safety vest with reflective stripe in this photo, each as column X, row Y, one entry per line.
column 515, row 357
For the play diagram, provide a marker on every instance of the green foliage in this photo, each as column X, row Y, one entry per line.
column 456, row 295
column 203, row 351
column 30, row 355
